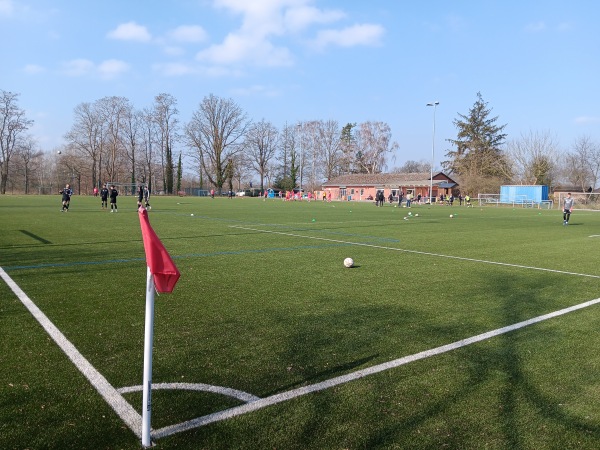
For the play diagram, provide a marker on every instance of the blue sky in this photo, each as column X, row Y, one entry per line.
column 536, row 63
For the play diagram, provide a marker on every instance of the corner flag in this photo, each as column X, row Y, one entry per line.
column 161, row 275
column 159, row 261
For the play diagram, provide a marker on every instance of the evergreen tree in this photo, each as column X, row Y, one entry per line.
column 348, row 147
column 179, row 170
column 478, row 159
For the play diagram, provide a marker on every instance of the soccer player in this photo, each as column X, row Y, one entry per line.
column 113, row 199
column 567, row 208
column 66, row 197
column 104, row 196
column 144, row 194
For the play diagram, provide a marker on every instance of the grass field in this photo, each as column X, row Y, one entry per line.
column 264, row 306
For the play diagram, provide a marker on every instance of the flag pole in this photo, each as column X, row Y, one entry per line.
column 162, row 275
column 148, row 337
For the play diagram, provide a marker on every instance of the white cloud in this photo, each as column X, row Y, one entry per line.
column 245, row 48
column 7, row 7
column 33, row 69
column 182, row 69
column 263, row 21
column 257, row 89
column 565, row 26
column 130, row 31
column 108, row 69
column 535, row 27
column 78, row 67
column 173, row 51
column 188, row 33
column 302, row 17
column 111, row 68
column 366, row 34
column 587, row 120
column 175, row 69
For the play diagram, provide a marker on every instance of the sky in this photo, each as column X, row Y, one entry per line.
column 535, row 63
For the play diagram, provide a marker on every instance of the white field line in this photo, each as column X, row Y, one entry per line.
column 115, row 400
column 133, row 419
column 294, row 393
column 240, row 395
column 439, row 255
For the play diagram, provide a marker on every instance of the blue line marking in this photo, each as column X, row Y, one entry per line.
column 189, row 255
column 297, row 228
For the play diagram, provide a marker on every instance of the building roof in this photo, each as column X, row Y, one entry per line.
column 383, row 179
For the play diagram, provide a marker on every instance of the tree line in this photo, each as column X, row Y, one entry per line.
column 111, row 141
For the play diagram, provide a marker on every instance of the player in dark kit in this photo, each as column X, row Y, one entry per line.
column 113, row 199
column 104, row 196
column 144, row 194
column 66, row 197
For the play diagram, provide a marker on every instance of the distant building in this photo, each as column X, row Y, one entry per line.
column 365, row 186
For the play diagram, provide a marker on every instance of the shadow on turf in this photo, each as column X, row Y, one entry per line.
column 35, row 236
column 325, row 374
column 518, row 392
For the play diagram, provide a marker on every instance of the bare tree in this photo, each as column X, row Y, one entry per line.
column 372, row 144
column 165, row 115
column 27, row 154
column 414, row 167
column 582, row 164
column 330, row 148
column 113, row 112
column 86, row 138
column 534, row 158
column 132, row 130
column 260, row 145
column 148, row 142
column 13, row 124
column 215, row 133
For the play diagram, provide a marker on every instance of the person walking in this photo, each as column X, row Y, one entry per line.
column 66, row 197
column 567, row 208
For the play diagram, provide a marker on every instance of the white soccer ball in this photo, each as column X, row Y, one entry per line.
column 417, row 215
column 348, row 262
column 451, row 216
column 58, row 152
column 192, row 215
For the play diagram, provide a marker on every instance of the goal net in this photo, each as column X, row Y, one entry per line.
column 488, row 199
column 125, row 188
column 582, row 200
column 518, row 200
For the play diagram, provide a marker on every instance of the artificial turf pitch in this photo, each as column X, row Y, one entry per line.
column 265, row 307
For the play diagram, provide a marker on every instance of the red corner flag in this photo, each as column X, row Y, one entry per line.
column 159, row 261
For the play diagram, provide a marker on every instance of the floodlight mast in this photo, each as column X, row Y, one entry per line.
column 434, row 104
